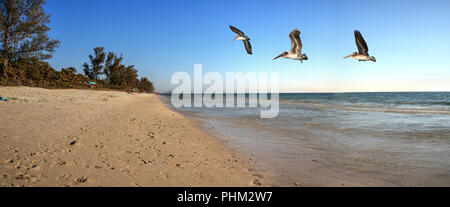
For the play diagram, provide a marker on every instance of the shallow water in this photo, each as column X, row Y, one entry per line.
column 343, row 138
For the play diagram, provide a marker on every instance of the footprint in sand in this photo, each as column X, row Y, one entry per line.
column 258, row 176
column 256, row 182
column 151, row 135
column 63, row 177
column 14, row 149
column 146, row 162
column 99, row 146
column 60, row 163
column 81, row 180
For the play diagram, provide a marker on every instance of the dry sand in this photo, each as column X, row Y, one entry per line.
column 105, row 138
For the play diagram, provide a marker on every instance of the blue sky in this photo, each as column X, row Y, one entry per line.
column 410, row 39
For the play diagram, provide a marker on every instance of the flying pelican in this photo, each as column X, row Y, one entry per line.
column 245, row 39
column 296, row 48
column 363, row 50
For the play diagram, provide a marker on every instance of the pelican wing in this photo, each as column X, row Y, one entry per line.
column 281, row 55
column 237, row 31
column 296, row 42
column 361, row 43
column 248, row 46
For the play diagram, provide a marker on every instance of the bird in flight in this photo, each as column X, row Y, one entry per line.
column 363, row 50
column 296, row 48
column 241, row 36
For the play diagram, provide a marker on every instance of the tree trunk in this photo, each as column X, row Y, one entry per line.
column 5, row 66
column 6, row 51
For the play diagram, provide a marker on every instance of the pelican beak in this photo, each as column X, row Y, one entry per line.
column 348, row 56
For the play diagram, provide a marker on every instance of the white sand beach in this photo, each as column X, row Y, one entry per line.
column 69, row 137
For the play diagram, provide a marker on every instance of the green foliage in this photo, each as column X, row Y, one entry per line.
column 34, row 72
column 25, row 44
column 23, row 32
column 31, row 71
column 145, row 85
column 23, row 70
column 96, row 67
column 68, row 78
column 131, row 77
column 119, row 75
column 114, row 69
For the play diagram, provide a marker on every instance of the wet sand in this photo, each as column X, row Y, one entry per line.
column 297, row 158
column 105, row 138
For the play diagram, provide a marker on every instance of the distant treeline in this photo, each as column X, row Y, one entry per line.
column 116, row 75
column 25, row 46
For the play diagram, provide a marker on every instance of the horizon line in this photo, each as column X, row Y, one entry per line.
column 330, row 92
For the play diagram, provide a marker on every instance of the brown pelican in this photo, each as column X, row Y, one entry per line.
column 296, row 48
column 245, row 39
column 363, row 50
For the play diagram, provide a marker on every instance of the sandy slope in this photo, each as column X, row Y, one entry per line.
column 100, row 138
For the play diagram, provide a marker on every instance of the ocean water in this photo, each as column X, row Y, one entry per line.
column 392, row 138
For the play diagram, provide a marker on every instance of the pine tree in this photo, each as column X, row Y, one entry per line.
column 97, row 61
column 114, row 69
column 23, row 31
column 145, row 85
column 130, row 77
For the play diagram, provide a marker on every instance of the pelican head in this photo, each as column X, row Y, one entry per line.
column 351, row 55
column 372, row 58
column 304, row 57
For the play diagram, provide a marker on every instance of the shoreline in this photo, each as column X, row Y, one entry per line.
column 71, row 137
column 293, row 154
